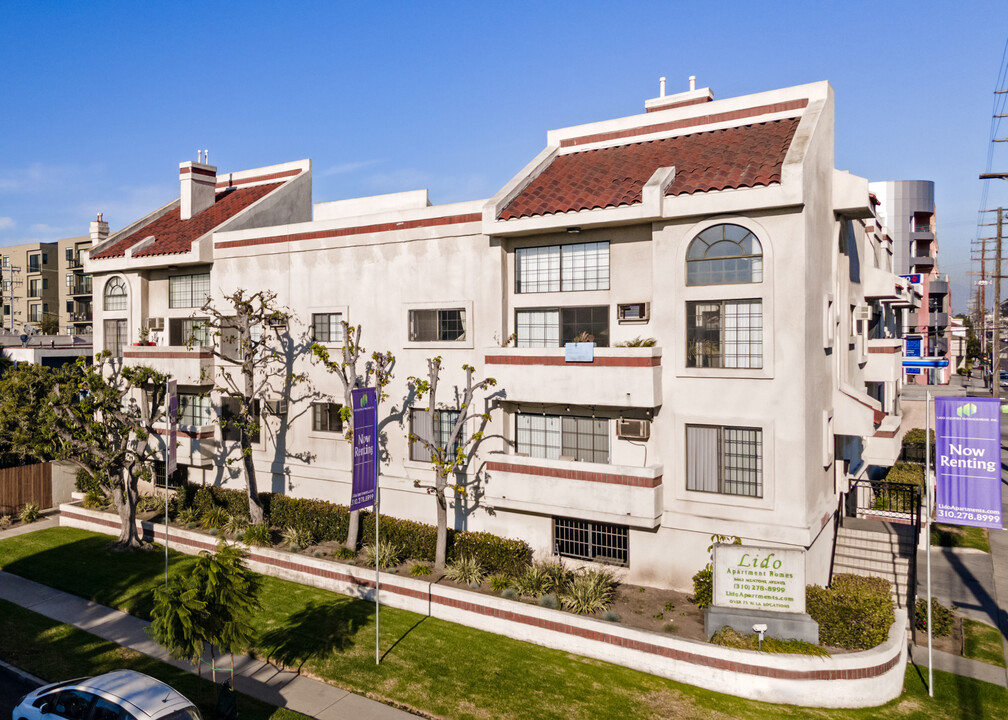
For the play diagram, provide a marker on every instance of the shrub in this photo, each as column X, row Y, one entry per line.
column 5, row 522
column 941, row 617
column 344, row 553
column 509, row 593
column 703, row 587
column 420, row 569
column 203, row 498
column 325, row 521
column 589, row 591
column 670, row 627
column 95, row 499
column 298, row 536
column 187, row 516
column 854, row 612
column 465, row 570
column 215, row 517
column 235, row 525
column 387, row 554
column 638, row 342
column 498, row 583
column 86, row 483
column 495, row 554
column 150, row 503
column 535, row 581
column 415, row 540
column 611, row 616
column 549, row 600
column 906, row 473
column 259, row 534
column 29, row 513
column 729, row 637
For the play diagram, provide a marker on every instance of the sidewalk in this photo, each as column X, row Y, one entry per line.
column 252, row 677
column 999, row 557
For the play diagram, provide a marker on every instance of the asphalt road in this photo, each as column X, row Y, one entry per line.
column 12, row 688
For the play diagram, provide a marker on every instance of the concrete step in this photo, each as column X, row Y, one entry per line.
column 875, row 560
column 867, row 553
column 875, row 540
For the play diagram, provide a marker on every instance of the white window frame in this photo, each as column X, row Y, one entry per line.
column 470, row 324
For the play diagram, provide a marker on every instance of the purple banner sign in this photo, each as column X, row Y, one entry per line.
column 365, row 447
column 968, row 461
column 171, row 458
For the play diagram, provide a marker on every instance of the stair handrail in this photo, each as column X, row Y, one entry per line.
column 837, row 520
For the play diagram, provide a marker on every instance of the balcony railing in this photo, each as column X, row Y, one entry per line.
column 922, row 261
column 83, row 288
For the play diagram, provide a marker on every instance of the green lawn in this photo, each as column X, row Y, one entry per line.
column 439, row 668
column 963, row 536
column 70, row 653
column 982, row 642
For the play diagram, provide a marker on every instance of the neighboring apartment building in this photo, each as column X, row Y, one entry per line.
column 907, row 209
column 720, row 229
column 75, row 288
column 29, row 287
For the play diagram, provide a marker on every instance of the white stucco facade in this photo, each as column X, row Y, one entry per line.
column 773, row 432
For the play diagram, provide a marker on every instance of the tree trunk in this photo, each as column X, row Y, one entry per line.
column 125, row 505
column 442, row 530
column 255, row 507
column 353, row 530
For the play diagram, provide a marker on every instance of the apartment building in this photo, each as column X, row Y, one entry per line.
column 719, row 230
column 75, row 317
column 907, row 209
column 29, row 287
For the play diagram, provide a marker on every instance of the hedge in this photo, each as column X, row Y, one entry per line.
column 235, row 502
column 854, row 612
column 907, row 473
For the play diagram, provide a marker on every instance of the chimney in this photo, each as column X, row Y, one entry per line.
column 693, row 96
column 198, row 180
column 99, row 230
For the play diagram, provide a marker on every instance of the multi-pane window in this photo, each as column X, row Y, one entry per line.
column 189, row 331
column 446, row 325
column 326, row 417
column 185, row 291
column 555, row 437
column 194, row 410
column 436, row 434
column 724, row 334
column 580, row 266
column 724, row 255
column 115, row 294
column 594, row 541
column 550, row 327
column 115, row 337
column 727, row 460
column 327, row 327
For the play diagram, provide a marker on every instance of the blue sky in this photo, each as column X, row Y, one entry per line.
column 101, row 101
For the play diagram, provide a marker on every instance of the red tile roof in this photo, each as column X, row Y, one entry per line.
column 737, row 157
column 174, row 235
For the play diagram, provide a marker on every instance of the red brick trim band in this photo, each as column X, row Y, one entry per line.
column 197, row 171
column 608, row 478
column 885, row 433
column 258, row 178
column 168, row 355
column 688, row 122
column 884, row 349
column 557, row 360
column 681, row 103
column 157, row 532
column 360, row 230
column 201, row 435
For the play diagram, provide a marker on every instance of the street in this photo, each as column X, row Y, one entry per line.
column 12, row 688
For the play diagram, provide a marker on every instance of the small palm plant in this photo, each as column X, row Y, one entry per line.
column 29, row 513
column 465, row 570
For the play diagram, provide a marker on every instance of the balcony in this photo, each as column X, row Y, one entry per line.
column 190, row 366
column 591, row 491
column 884, row 360
column 883, row 447
column 616, row 377
column 197, row 446
column 934, row 319
column 922, row 262
column 81, row 317
column 81, row 288
column 883, row 285
column 938, row 287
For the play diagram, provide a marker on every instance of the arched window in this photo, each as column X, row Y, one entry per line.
column 724, row 255
column 115, row 294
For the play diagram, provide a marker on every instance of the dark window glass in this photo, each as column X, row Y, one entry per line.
column 326, row 417
column 115, row 337
column 726, row 460
column 327, row 327
column 420, row 427
column 590, row 324
column 446, row 325
column 231, row 413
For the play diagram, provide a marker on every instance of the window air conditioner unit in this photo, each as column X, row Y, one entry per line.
column 634, row 312
column 155, row 323
column 277, row 321
column 863, row 312
column 276, row 407
column 633, row 429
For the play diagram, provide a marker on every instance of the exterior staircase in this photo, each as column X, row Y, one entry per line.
column 877, row 548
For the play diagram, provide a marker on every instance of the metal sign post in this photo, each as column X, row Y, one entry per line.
column 927, row 545
column 171, row 454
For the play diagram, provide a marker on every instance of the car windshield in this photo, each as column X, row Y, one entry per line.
column 187, row 713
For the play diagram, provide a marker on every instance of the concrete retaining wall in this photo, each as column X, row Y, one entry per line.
column 862, row 679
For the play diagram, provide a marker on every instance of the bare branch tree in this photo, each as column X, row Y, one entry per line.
column 377, row 373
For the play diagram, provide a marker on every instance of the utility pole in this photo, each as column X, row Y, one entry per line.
column 996, row 379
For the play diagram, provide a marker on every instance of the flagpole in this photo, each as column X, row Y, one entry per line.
column 927, row 530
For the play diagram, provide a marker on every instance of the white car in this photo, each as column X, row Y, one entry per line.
column 118, row 695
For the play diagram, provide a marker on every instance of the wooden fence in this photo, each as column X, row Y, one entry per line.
column 25, row 484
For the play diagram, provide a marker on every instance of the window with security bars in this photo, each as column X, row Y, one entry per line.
column 188, row 291
column 436, row 434
column 327, row 327
column 194, row 410
column 595, row 541
column 115, row 294
column 554, row 437
column 176, row 479
column 726, row 460
column 447, row 325
column 115, row 337
column 724, row 334
column 554, row 327
column 566, row 268
column 326, row 417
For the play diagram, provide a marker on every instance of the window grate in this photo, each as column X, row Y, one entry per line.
column 726, row 460
column 594, row 541
column 724, row 334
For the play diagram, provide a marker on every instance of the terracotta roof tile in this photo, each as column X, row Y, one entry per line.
column 738, row 157
column 174, row 235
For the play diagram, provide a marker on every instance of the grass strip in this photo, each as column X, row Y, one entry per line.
column 54, row 652
column 960, row 536
column 439, row 668
column 982, row 642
